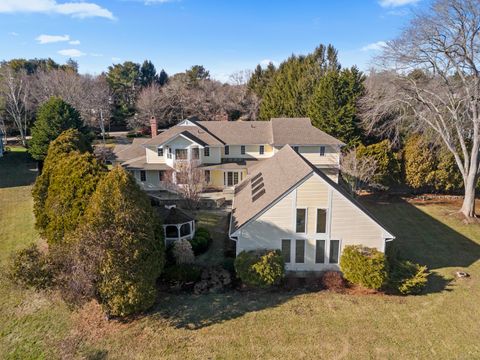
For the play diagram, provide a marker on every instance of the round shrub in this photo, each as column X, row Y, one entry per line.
column 333, row 280
column 182, row 273
column 182, row 252
column 364, row 266
column 408, row 277
column 31, row 268
column 261, row 268
column 201, row 241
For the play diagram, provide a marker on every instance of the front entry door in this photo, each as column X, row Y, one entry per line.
column 231, row 178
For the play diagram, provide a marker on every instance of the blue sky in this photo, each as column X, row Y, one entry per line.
column 224, row 36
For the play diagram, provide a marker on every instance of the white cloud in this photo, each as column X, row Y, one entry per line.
column 116, row 59
column 376, row 46
column 71, row 53
column 13, row 33
column 75, row 9
column 74, row 42
column 46, row 39
column 396, row 3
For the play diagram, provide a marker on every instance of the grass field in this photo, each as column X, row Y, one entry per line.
column 443, row 323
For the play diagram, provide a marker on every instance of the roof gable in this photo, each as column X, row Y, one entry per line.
column 296, row 169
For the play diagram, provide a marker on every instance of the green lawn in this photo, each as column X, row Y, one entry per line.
column 444, row 323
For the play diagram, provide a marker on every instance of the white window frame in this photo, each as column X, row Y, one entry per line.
column 226, row 149
column 160, row 150
column 322, row 151
column 327, row 225
column 306, row 220
column 304, row 251
column 261, row 149
column 281, row 248
column 206, row 151
column 198, row 152
column 242, row 149
column 327, row 257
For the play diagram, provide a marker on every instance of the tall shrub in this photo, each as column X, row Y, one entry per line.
column 262, row 268
column 388, row 165
column 134, row 253
column 419, row 160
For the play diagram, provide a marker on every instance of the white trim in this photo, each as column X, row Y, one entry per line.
column 281, row 249
column 327, row 225
column 324, row 252
column 174, row 137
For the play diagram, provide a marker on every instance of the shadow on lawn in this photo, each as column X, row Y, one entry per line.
column 17, row 169
column 197, row 311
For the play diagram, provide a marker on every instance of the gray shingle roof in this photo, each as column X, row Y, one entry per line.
column 299, row 131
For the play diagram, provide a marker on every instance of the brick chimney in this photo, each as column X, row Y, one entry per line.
column 153, row 126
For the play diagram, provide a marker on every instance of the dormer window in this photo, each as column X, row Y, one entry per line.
column 242, row 149
column 160, row 152
column 227, row 150
column 322, row 150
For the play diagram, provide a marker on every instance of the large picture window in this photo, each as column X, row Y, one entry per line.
column 301, row 221
column 321, row 221
column 300, row 251
column 334, row 251
column 286, row 246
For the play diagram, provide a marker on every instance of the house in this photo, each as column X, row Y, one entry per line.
column 288, row 203
column 226, row 151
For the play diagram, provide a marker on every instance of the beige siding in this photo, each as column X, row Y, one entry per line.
column 353, row 226
column 214, row 158
column 345, row 222
column 153, row 158
column 251, row 152
column 312, row 154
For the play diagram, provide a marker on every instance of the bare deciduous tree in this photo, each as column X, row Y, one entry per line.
column 431, row 83
column 358, row 172
column 188, row 180
column 149, row 103
column 15, row 90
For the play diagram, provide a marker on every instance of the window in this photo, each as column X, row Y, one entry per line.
column 185, row 230
column 227, row 150
column 206, row 151
column 242, row 149
column 301, row 221
column 300, row 251
column 261, row 150
column 322, row 150
column 169, row 155
column 195, row 153
column 181, row 154
column 334, row 250
column 286, row 249
column 143, row 176
column 320, row 252
column 161, row 175
column 321, row 221
column 160, row 152
column 295, row 148
column 207, row 176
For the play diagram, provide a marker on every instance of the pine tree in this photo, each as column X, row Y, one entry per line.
column 148, row 73
column 53, row 117
column 134, row 253
column 333, row 105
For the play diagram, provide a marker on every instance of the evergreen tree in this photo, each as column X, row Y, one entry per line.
column 388, row 165
column 72, row 181
column 197, row 73
column 67, row 142
column 148, row 73
column 419, row 162
column 162, row 78
column 333, row 105
column 134, row 254
column 53, row 117
column 260, row 79
column 125, row 82
column 289, row 91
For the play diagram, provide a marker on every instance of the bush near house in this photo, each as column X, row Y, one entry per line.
column 31, row 268
column 333, row 280
column 407, row 277
column 260, row 268
column 201, row 241
column 364, row 266
column 182, row 252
